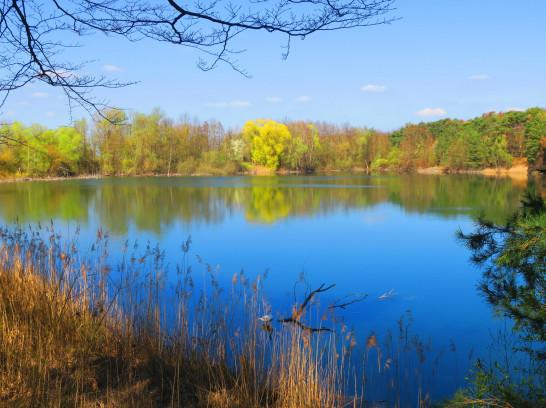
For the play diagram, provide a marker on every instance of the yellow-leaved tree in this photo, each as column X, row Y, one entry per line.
column 268, row 140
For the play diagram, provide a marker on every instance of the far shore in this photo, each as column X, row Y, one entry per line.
column 518, row 172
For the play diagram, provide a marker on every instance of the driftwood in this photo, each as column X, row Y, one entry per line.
column 388, row 295
column 340, row 303
column 358, row 297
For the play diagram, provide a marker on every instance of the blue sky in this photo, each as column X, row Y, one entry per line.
column 455, row 59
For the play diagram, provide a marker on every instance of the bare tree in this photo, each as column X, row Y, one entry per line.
column 341, row 303
column 34, row 33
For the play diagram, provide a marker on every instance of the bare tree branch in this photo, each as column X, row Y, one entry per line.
column 296, row 315
column 34, row 33
column 357, row 297
column 304, row 327
column 309, row 297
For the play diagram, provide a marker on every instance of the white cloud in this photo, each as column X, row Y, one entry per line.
column 479, row 77
column 374, row 88
column 303, row 99
column 60, row 73
column 431, row 112
column 217, row 105
column 50, row 114
column 64, row 74
column 273, row 100
column 111, row 68
column 515, row 109
column 39, row 95
column 10, row 113
column 240, row 104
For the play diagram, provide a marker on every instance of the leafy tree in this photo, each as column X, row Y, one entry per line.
column 236, row 149
column 397, row 136
column 497, row 156
column 392, row 161
column 110, row 137
column 457, row 153
column 88, row 162
column 12, row 148
column 295, row 153
column 144, row 143
column 305, row 147
column 364, row 141
column 535, row 130
column 70, row 148
column 377, row 145
column 512, row 126
column 7, row 158
column 313, row 151
column 43, row 153
column 417, row 147
column 477, row 153
column 269, row 140
column 445, row 132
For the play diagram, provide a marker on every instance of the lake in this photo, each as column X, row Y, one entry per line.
column 366, row 234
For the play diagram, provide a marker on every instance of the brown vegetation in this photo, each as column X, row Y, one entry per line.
column 74, row 331
column 70, row 336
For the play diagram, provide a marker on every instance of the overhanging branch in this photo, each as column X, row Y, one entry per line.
column 30, row 48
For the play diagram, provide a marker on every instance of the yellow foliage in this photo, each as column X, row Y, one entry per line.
column 269, row 140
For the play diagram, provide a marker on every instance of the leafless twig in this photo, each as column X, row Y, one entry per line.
column 297, row 314
column 357, row 297
column 34, row 33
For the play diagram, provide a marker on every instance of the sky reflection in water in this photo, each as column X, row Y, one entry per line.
column 365, row 234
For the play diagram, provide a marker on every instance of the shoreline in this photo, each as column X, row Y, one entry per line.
column 55, row 178
column 516, row 169
column 518, row 172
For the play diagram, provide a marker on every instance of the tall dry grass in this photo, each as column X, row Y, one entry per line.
column 77, row 331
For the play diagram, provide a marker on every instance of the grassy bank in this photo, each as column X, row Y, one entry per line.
column 77, row 331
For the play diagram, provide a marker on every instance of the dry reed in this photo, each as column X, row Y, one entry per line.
column 76, row 331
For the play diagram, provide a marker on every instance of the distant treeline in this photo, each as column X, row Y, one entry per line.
column 119, row 144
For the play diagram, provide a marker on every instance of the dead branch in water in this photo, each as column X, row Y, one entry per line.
column 297, row 314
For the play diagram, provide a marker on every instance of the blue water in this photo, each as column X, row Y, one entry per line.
column 365, row 234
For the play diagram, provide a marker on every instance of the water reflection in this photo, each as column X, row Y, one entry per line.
column 367, row 234
column 150, row 203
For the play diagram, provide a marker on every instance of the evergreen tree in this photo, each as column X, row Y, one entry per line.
column 535, row 130
column 476, row 149
column 514, row 283
column 514, row 258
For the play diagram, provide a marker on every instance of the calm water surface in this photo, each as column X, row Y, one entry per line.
column 366, row 234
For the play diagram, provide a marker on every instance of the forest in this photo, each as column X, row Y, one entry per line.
column 119, row 143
